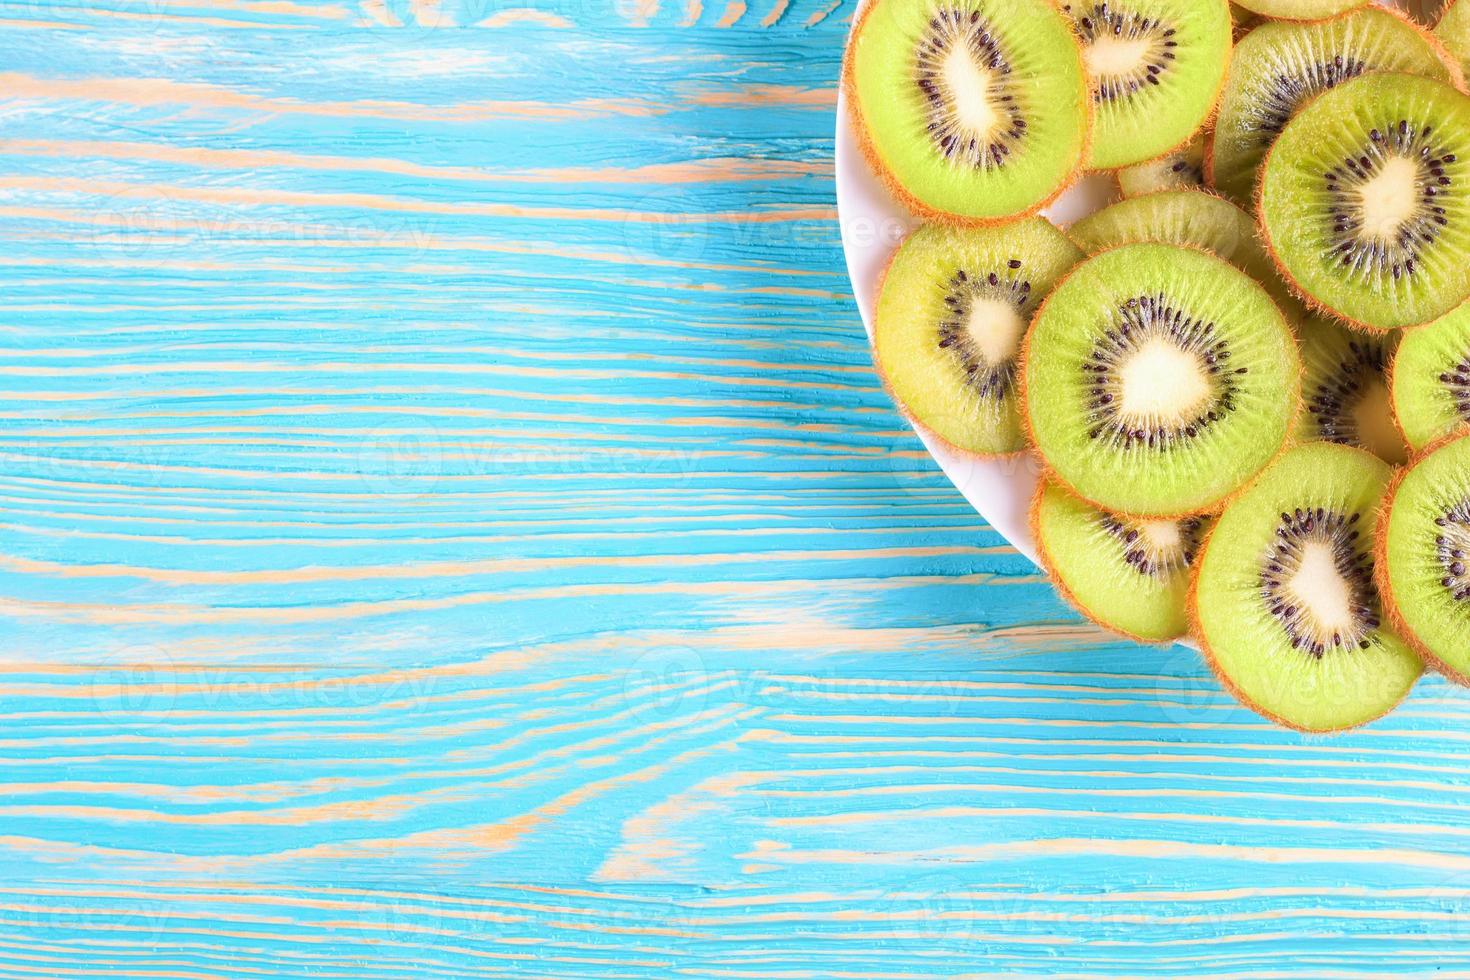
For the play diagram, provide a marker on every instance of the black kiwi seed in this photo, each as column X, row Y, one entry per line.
column 952, row 30
column 1009, row 286
column 1451, row 546
column 1457, row 382
column 1103, row 20
column 1370, row 252
column 1138, row 321
column 1342, row 535
column 1332, row 401
column 1148, row 559
column 1287, row 93
column 1190, row 172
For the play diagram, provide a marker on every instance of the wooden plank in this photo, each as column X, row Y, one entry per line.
column 449, row 527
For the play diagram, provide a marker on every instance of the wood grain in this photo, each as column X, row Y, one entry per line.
column 449, row 527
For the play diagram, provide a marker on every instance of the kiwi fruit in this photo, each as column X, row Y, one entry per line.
column 1279, row 67
column 1365, row 200
column 952, row 309
column 1299, row 9
column 1345, row 397
column 1187, row 217
column 1129, row 575
column 1284, row 603
column 1430, row 380
column 969, row 110
column 1453, row 30
column 1157, row 379
column 1423, row 559
column 1176, row 170
column 1156, row 67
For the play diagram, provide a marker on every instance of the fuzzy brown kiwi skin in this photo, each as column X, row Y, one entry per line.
column 1197, row 633
column 1049, row 472
column 1048, row 565
column 913, row 421
column 1380, row 564
column 890, row 180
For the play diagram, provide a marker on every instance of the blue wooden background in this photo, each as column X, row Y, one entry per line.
column 450, row 527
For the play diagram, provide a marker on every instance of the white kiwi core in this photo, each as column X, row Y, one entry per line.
column 1163, row 384
column 969, row 85
column 995, row 328
column 1117, row 56
column 1162, row 536
column 1389, row 198
column 1325, row 595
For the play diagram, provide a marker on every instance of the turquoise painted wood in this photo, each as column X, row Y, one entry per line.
column 450, row 527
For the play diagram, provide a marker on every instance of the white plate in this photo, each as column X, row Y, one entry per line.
column 873, row 225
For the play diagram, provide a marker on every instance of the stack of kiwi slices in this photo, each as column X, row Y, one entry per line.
column 1247, row 380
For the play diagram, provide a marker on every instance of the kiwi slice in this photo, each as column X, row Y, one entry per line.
column 953, row 307
column 1345, row 389
column 1156, row 67
column 1284, row 601
column 1176, row 170
column 1365, row 200
column 1187, row 217
column 1430, row 380
column 1279, row 67
column 1453, row 30
column 972, row 110
column 1129, row 575
column 1157, row 379
column 1424, row 556
column 1299, row 9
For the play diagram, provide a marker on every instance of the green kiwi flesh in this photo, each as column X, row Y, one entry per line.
column 1158, row 379
column 1129, row 575
column 1431, row 379
column 1365, row 200
column 971, row 109
column 1176, row 170
column 1279, row 67
column 1424, row 556
column 1299, row 9
column 1453, row 30
column 1285, row 604
column 1156, row 67
column 1345, row 396
column 1187, row 217
column 953, row 308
